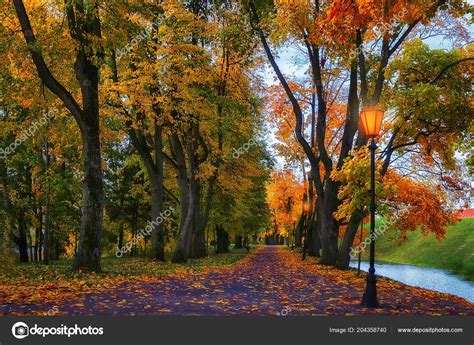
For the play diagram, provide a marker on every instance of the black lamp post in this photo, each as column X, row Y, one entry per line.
column 371, row 121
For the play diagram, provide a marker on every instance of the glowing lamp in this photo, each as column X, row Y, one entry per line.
column 371, row 121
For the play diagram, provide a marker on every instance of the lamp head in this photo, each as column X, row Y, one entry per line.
column 371, row 121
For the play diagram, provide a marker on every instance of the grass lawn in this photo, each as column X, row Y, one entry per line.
column 113, row 267
column 454, row 253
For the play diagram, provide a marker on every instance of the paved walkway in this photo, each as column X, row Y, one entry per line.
column 271, row 281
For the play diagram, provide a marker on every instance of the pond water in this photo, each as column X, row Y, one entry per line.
column 427, row 278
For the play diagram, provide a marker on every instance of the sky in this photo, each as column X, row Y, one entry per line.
column 287, row 57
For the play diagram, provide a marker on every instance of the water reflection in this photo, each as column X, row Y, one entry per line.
column 427, row 278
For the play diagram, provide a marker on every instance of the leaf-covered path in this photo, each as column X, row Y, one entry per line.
column 271, row 281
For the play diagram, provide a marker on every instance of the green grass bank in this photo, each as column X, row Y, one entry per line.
column 454, row 253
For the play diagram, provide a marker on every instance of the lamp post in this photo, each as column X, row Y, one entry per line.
column 360, row 242
column 371, row 122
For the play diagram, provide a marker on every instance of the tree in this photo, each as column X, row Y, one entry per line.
column 285, row 200
column 132, row 97
column 428, row 123
column 329, row 31
column 85, row 31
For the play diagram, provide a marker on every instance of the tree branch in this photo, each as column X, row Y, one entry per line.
column 451, row 65
column 255, row 22
column 403, row 36
column 43, row 71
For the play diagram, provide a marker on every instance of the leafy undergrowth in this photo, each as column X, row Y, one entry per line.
column 34, row 283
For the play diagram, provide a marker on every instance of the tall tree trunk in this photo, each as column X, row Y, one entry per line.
column 238, row 242
column 186, row 204
column 222, row 239
column 30, row 246
column 329, row 227
column 316, row 239
column 198, row 249
column 21, row 240
column 39, row 234
column 121, row 221
column 157, row 195
column 186, row 235
column 192, row 233
column 199, row 246
column 55, row 249
column 40, row 252
column 120, row 239
column 302, row 223
column 185, row 224
column 76, row 237
column 312, row 240
column 84, row 27
column 155, row 172
column 344, row 258
column 46, row 208
column 133, row 251
column 90, row 234
column 36, row 245
column 157, row 234
column 154, row 167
